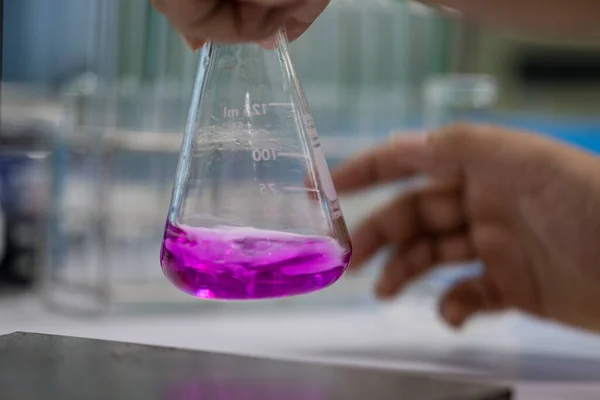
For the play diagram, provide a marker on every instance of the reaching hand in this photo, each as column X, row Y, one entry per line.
column 536, row 16
column 527, row 207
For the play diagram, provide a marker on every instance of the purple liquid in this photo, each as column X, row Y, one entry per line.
column 245, row 263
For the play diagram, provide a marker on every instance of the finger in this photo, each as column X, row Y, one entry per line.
column 467, row 298
column 440, row 208
column 404, row 265
column 225, row 21
column 272, row 42
column 421, row 258
column 233, row 22
column 444, row 155
column 454, row 248
column 197, row 6
column 394, row 223
column 269, row 43
column 295, row 29
column 304, row 17
column 308, row 11
column 433, row 210
column 192, row 43
column 402, row 157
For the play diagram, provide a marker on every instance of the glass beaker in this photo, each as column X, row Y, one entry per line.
column 254, row 213
column 111, row 175
column 450, row 98
column 453, row 97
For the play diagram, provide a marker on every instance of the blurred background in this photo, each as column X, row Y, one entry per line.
column 93, row 105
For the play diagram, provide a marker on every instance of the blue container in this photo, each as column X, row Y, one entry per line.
column 23, row 203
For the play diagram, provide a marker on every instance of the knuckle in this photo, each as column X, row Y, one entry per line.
column 462, row 130
column 458, row 132
column 463, row 136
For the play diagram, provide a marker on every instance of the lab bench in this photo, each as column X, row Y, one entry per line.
column 541, row 361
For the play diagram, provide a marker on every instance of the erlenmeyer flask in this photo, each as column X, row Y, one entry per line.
column 254, row 213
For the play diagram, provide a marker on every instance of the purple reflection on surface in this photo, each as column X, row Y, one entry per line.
column 220, row 389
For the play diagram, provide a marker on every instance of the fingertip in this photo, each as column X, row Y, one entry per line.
column 461, row 301
column 294, row 31
column 413, row 148
column 349, row 177
column 269, row 43
column 384, row 297
column 193, row 44
column 382, row 288
column 386, row 290
column 266, row 45
column 336, row 181
column 401, row 157
column 454, row 313
column 354, row 267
